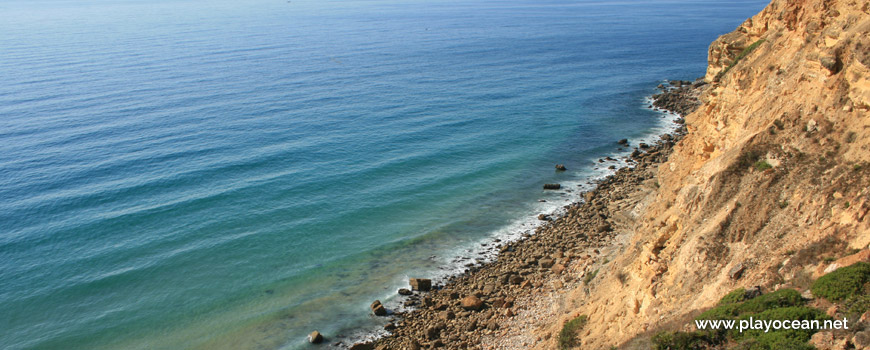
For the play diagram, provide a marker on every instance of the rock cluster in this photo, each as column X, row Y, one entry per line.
column 680, row 97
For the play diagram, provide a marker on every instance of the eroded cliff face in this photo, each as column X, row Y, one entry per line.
column 773, row 177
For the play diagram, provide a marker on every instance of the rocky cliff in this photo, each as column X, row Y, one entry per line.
column 769, row 186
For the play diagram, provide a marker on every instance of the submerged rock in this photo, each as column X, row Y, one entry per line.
column 552, row 186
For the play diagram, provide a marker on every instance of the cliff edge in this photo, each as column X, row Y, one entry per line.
column 769, row 187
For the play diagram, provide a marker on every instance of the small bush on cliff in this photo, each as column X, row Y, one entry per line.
column 681, row 341
column 857, row 305
column 780, row 338
column 568, row 335
column 731, row 306
column 739, row 57
column 590, row 276
column 736, row 296
column 843, row 283
column 762, row 165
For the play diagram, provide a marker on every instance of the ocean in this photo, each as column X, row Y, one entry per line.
column 190, row 174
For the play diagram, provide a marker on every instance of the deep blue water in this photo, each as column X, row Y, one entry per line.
column 190, row 174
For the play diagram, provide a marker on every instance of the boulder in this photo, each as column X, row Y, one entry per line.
column 561, row 167
column 362, row 346
column 862, row 339
column 315, row 337
column 546, row 263
column 405, row 291
column 623, row 142
column 471, row 302
column 515, row 279
column 421, row 284
column 863, row 255
column 378, row 309
column 823, row 340
column 737, row 271
column 752, row 292
column 552, row 186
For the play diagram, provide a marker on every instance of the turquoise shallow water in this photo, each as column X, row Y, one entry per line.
column 220, row 174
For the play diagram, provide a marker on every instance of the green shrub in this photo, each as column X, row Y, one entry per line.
column 680, row 341
column 748, row 158
column 762, row 165
column 739, row 57
column 857, row 305
column 843, row 283
column 780, row 338
column 721, row 312
column 732, row 306
column 777, row 299
column 772, row 341
column 568, row 335
column 590, row 276
column 735, row 296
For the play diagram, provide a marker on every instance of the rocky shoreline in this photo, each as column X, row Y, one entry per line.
column 475, row 310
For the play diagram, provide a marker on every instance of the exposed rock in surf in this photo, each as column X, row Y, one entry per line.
column 378, row 309
column 421, row 284
column 315, row 337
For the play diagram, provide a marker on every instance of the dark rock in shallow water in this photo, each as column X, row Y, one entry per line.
column 378, row 309
column 561, row 167
column 623, row 142
column 405, row 291
column 543, row 217
column 643, row 145
column 421, row 284
column 315, row 338
column 552, row 186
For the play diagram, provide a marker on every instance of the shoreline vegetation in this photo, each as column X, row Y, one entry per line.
column 471, row 310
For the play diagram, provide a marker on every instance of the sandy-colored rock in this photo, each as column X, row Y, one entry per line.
column 862, row 256
column 472, row 302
